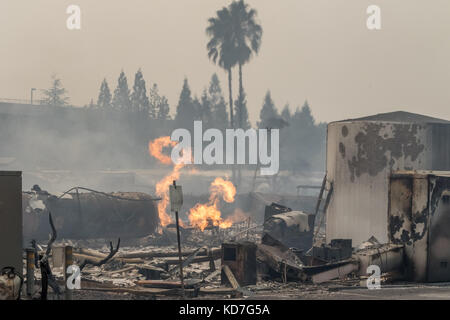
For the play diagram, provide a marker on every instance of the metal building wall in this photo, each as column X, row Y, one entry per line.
column 441, row 147
column 360, row 157
column 11, row 220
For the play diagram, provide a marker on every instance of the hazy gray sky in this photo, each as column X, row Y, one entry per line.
column 312, row 49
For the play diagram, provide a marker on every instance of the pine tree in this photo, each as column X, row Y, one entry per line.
column 154, row 100
column 139, row 99
column 286, row 113
column 305, row 155
column 159, row 106
column 304, row 116
column 121, row 100
column 163, row 109
column 241, row 119
column 206, row 110
column 186, row 113
column 56, row 94
column 268, row 112
column 198, row 108
column 218, row 104
column 104, row 97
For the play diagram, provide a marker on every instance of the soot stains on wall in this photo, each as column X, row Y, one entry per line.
column 377, row 149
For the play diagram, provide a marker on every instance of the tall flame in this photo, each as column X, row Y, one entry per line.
column 202, row 215
column 155, row 148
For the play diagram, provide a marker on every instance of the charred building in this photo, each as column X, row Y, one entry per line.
column 389, row 179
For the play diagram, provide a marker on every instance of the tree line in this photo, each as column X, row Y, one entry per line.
column 234, row 38
column 153, row 104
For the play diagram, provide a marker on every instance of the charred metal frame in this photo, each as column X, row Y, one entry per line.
column 418, row 218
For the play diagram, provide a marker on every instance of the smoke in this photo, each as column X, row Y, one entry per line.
column 64, row 139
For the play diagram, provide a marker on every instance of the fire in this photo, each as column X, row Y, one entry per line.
column 162, row 190
column 202, row 215
column 156, row 146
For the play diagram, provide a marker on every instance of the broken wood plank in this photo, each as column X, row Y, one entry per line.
column 81, row 256
column 230, row 276
column 145, row 255
column 130, row 268
column 234, row 283
column 338, row 272
column 219, row 291
column 190, row 283
column 136, row 290
column 212, row 275
column 195, row 260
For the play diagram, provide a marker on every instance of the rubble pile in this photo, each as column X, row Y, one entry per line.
column 246, row 260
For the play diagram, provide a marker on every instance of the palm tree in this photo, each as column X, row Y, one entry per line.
column 234, row 36
column 221, row 48
column 247, row 34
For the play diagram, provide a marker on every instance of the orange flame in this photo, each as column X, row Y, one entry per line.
column 202, row 215
column 156, row 146
column 162, row 190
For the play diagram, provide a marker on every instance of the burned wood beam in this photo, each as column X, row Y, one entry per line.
column 165, row 284
column 103, row 261
column 230, row 277
column 95, row 259
column 215, row 255
column 52, row 238
column 47, row 278
column 335, row 273
column 234, row 283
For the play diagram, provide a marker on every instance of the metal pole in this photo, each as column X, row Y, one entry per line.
column 179, row 247
column 30, row 271
column 68, row 261
column 248, row 226
column 32, row 89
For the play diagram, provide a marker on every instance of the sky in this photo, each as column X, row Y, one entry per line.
column 315, row 50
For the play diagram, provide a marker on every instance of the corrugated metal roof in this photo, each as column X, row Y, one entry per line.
column 399, row 116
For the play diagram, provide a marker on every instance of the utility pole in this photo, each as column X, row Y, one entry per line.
column 31, row 100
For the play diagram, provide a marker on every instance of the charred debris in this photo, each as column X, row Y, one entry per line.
column 237, row 262
column 381, row 215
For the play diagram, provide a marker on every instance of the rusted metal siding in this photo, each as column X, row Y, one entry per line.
column 360, row 157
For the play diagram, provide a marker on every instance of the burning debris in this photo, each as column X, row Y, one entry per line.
column 219, row 249
column 201, row 215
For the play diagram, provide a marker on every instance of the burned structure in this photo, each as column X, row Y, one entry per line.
column 391, row 181
column 85, row 213
column 419, row 218
column 362, row 153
